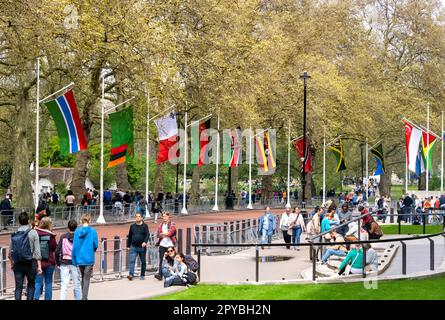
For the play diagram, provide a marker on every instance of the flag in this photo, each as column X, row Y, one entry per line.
column 64, row 111
column 262, row 157
column 420, row 164
column 298, row 144
column 168, row 137
column 233, row 155
column 412, row 136
column 200, row 140
column 122, row 139
column 428, row 149
column 268, row 150
column 377, row 151
column 337, row 147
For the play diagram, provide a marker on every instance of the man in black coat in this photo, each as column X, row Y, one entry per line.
column 7, row 211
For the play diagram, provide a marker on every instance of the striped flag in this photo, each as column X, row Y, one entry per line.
column 64, row 111
column 266, row 157
column 121, row 123
column 428, row 148
column 235, row 148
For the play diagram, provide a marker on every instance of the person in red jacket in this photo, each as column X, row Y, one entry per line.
column 48, row 246
column 166, row 238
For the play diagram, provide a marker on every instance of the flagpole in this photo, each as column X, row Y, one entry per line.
column 36, row 191
column 215, row 207
column 324, row 164
column 147, row 162
column 406, row 173
column 101, row 218
column 427, row 145
column 184, row 198
column 367, row 172
column 288, row 168
column 441, row 162
column 249, row 206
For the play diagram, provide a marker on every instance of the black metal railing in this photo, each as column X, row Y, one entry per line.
column 312, row 246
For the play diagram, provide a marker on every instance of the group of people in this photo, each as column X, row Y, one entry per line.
column 35, row 253
column 410, row 208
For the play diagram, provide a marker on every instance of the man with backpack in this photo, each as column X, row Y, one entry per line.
column 25, row 257
column 64, row 260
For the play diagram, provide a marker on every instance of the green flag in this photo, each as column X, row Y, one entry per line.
column 122, row 139
column 337, row 148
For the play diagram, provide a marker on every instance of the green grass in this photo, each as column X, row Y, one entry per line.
column 410, row 229
column 420, row 289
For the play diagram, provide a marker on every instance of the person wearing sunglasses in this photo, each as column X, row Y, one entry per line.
column 169, row 263
column 166, row 239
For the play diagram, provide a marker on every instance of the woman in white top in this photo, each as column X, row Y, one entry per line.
column 179, row 274
column 296, row 227
column 284, row 226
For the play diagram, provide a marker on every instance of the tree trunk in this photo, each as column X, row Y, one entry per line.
column 309, row 188
column 21, row 176
column 235, row 177
column 158, row 180
column 422, row 181
column 122, row 177
column 79, row 175
column 267, row 188
column 194, row 193
column 385, row 182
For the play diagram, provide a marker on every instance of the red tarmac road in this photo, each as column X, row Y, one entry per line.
column 121, row 230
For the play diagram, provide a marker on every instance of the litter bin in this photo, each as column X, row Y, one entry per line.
column 229, row 202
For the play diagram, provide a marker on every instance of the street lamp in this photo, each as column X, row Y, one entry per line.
column 305, row 76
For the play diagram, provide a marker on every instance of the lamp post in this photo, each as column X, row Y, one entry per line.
column 305, row 76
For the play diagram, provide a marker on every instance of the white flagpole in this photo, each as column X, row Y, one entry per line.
column 324, row 164
column 367, row 172
column 101, row 218
column 37, row 190
column 427, row 144
column 147, row 162
column 249, row 206
column 441, row 160
column 184, row 191
column 288, row 169
column 406, row 173
column 215, row 207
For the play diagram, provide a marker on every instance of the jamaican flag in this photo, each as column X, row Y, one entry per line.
column 337, row 147
column 121, row 136
column 377, row 151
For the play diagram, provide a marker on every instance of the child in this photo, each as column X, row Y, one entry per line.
column 178, row 276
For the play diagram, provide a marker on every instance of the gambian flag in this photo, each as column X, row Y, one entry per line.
column 168, row 137
column 337, row 147
column 199, row 139
column 69, row 127
column 122, row 139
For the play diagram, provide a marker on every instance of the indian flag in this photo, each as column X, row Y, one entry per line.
column 64, row 111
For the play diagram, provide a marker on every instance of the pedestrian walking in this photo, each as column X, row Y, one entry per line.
column 25, row 257
column 64, row 261
column 284, row 227
column 266, row 226
column 296, row 227
column 48, row 245
column 85, row 244
column 137, row 242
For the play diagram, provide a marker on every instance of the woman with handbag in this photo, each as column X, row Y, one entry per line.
column 296, row 227
column 284, row 226
column 353, row 263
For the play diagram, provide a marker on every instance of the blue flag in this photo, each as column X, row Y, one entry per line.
column 379, row 169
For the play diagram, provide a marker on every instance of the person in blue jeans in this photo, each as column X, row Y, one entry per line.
column 297, row 226
column 266, row 226
column 337, row 250
column 137, row 242
column 48, row 245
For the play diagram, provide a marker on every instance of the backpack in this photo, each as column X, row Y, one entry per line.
column 67, row 248
column 190, row 277
column 310, row 229
column 21, row 248
column 44, row 246
column 191, row 263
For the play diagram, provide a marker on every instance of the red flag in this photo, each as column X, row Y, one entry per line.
column 168, row 136
column 298, row 144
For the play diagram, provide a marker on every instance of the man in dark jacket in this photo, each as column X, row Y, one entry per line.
column 6, row 211
column 137, row 243
column 64, row 260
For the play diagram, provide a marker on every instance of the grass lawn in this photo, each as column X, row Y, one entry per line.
column 423, row 289
column 410, row 229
